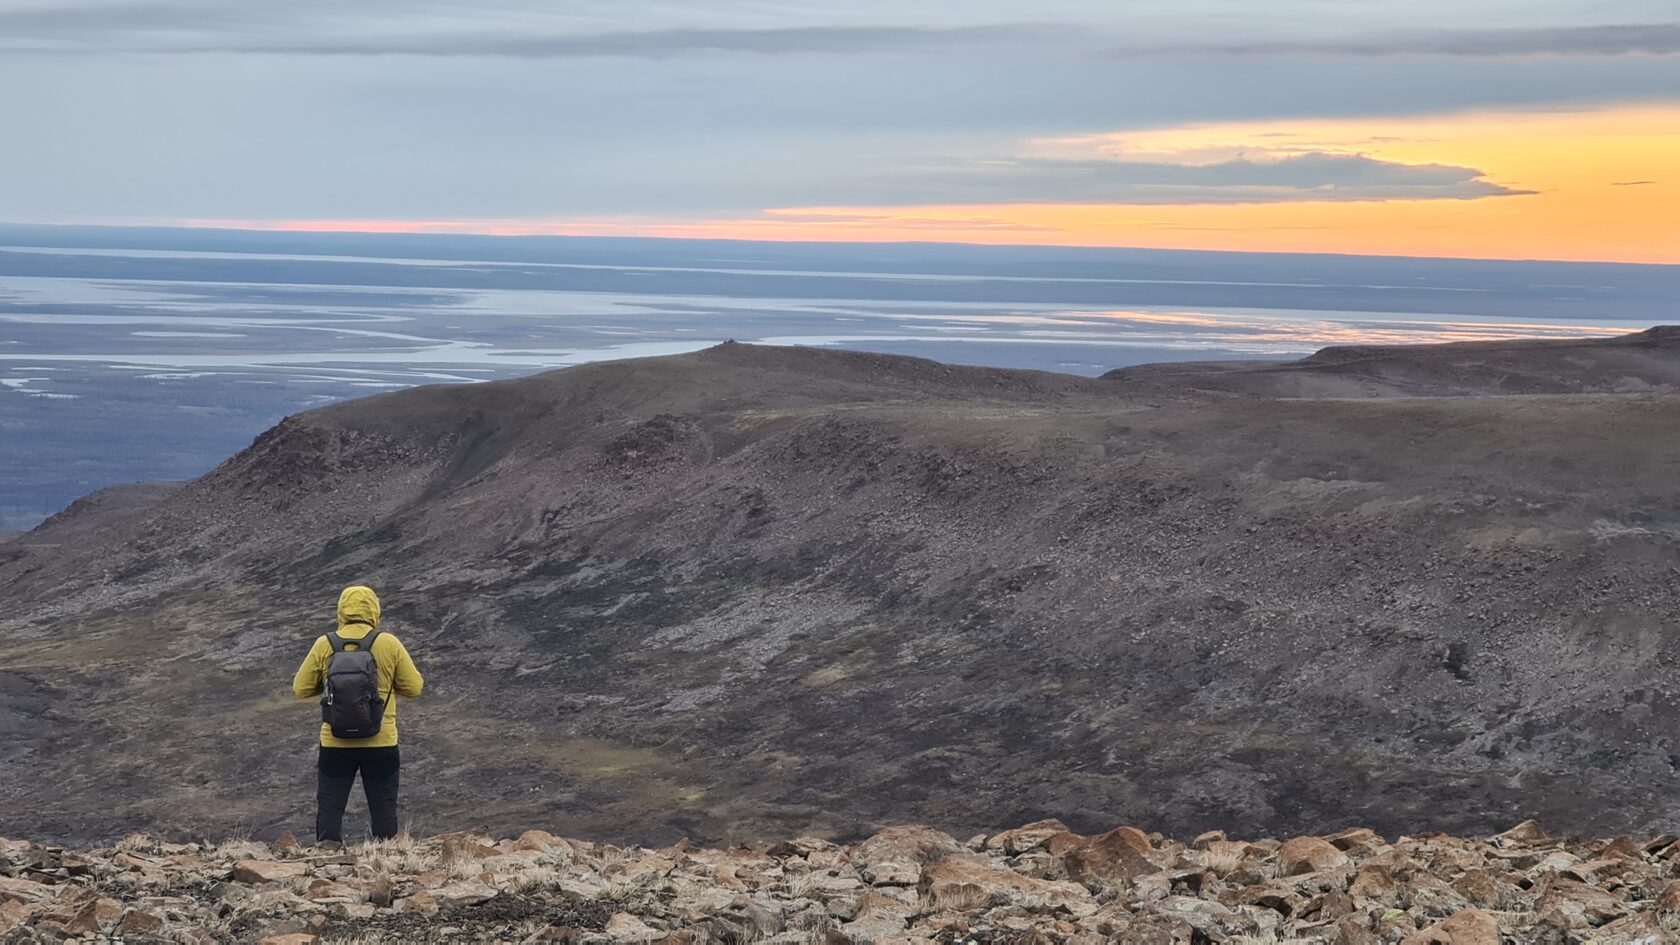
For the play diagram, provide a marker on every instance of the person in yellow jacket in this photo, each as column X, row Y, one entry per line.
column 375, row 757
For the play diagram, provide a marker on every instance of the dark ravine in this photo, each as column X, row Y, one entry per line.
column 759, row 592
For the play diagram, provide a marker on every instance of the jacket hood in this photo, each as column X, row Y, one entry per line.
column 358, row 604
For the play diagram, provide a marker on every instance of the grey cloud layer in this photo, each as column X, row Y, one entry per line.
column 1609, row 40
column 1315, row 176
column 702, row 108
column 570, row 30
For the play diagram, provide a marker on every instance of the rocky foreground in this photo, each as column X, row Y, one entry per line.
column 1038, row 883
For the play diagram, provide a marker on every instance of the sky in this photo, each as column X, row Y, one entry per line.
column 1545, row 129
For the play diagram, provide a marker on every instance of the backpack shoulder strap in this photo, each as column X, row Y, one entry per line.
column 335, row 641
column 366, row 643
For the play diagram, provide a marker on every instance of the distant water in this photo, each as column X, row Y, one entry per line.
column 130, row 355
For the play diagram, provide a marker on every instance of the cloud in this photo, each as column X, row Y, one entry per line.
column 310, row 29
column 1313, row 176
column 1658, row 39
column 877, row 218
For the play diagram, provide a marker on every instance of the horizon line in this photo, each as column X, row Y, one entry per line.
column 282, row 228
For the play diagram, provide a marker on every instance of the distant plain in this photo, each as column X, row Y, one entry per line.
column 134, row 355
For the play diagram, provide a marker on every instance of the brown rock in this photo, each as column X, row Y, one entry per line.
column 1527, row 833
column 541, row 841
column 1478, row 887
column 1114, row 857
column 1357, row 840
column 13, row 914
column 287, row 845
column 1202, row 841
column 967, row 881
column 381, row 891
column 85, row 921
column 421, row 903
column 1375, row 883
column 23, row 890
column 1022, row 839
column 624, row 927
column 554, row 935
column 1308, row 855
column 268, row 871
column 1469, row 927
column 464, row 848
column 1668, row 900
column 896, row 856
column 1353, row 931
column 1278, row 897
column 292, row 938
column 136, row 923
column 458, row 895
column 1576, row 902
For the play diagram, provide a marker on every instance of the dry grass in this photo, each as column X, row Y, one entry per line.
column 1221, row 863
column 239, row 848
column 400, row 854
column 462, row 870
column 138, row 843
column 536, row 879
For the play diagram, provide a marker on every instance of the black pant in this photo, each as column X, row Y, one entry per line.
column 337, row 772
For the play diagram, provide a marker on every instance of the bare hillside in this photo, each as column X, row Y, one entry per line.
column 759, row 591
column 1647, row 362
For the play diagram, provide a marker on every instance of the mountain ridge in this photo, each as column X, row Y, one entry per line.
column 750, row 591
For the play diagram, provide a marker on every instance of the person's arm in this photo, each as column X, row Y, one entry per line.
column 312, row 675
column 406, row 681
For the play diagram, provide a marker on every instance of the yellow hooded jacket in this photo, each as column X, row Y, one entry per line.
column 358, row 616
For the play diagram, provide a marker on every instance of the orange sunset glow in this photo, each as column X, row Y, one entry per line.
column 1605, row 186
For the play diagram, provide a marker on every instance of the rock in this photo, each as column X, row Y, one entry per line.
column 1352, row 888
column 135, row 923
column 1576, row 902
column 12, row 914
column 896, row 856
column 294, row 938
column 624, row 927
column 964, row 882
column 23, row 890
column 268, row 871
column 557, row 935
column 1203, row 841
column 1527, row 833
column 381, row 892
column 1022, row 839
column 1114, row 857
column 1357, row 840
column 287, row 845
column 541, row 841
column 85, row 921
column 421, row 903
column 873, row 929
column 1469, row 927
column 802, row 846
column 1351, row 931
column 460, row 895
column 1309, row 855
column 463, row 848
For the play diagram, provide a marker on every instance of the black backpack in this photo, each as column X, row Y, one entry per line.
column 351, row 704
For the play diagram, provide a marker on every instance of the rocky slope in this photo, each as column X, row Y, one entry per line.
column 1641, row 362
column 1040, row 883
column 761, row 592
